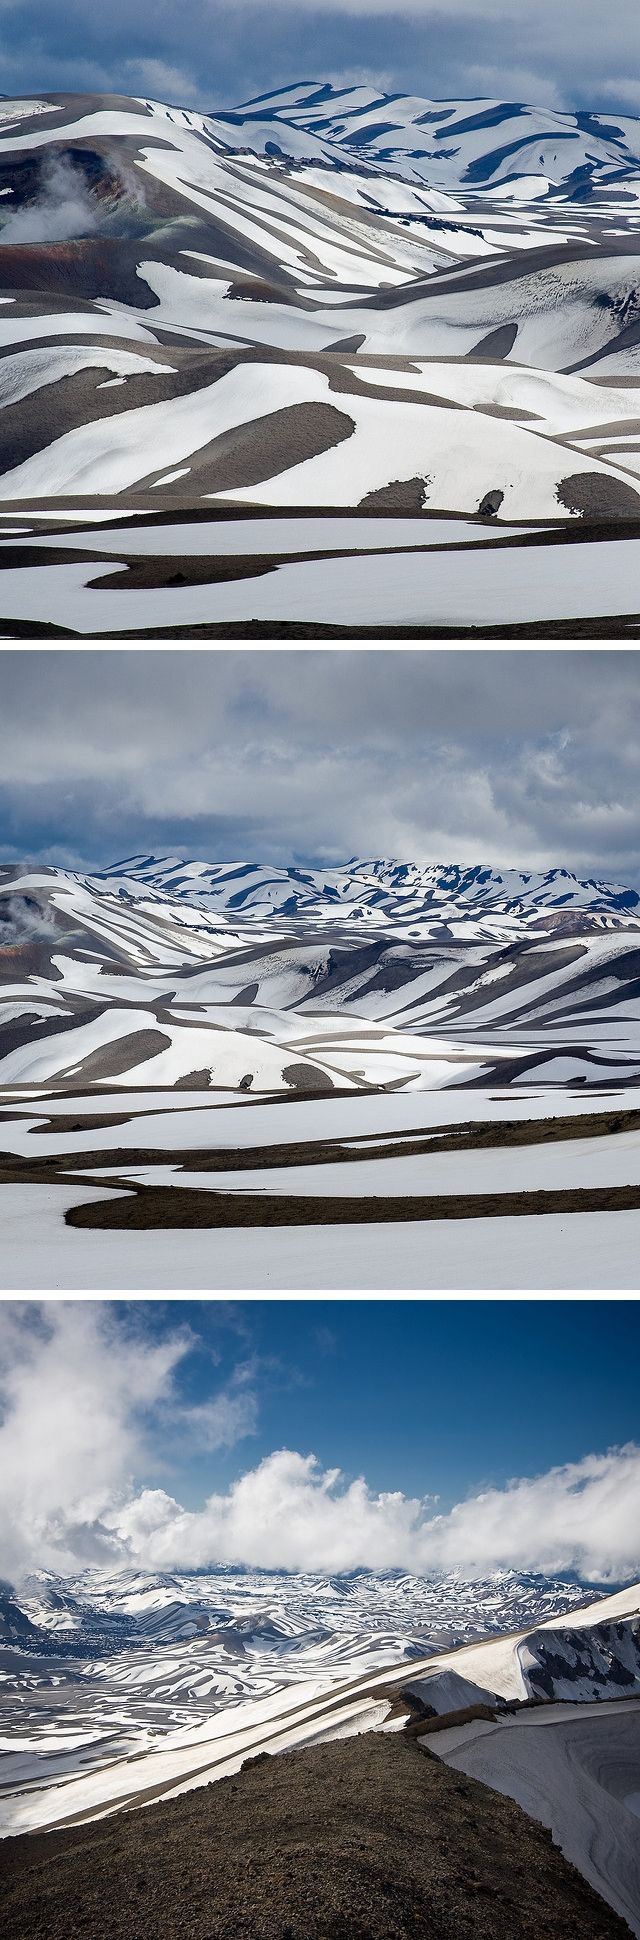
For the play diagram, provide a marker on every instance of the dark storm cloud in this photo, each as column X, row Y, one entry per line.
column 580, row 54
column 516, row 758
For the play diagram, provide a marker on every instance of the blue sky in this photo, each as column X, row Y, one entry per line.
column 209, row 55
column 321, row 1436
column 421, row 1396
column 522, row 759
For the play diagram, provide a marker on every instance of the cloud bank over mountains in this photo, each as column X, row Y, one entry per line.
column 520, row 759
column 575, row 56
column 289, row 1513
column 92, row 1406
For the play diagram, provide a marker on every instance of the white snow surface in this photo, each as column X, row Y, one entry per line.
column 281, row 535
column 21, row 375
column 584, row 1252
column 571, row 1773
column 488, row 586
column 580, row 1163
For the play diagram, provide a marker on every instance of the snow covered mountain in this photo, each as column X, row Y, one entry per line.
column 429, row 895
column 156, row 1652
column 158, row 971
column 323, row 299
column 258, row 1613
column 470, row 142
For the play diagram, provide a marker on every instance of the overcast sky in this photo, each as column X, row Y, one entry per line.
column 519, row 758
column 186, row 1433
column 577, row 54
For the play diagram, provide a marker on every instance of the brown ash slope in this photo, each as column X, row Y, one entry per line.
column 369, row 1838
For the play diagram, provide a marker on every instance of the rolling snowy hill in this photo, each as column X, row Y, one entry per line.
column 457, row 1051
column 379, row 973
column 449, row 143
column 323, row 300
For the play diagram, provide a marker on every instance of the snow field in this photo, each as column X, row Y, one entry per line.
column 581, row 1251
column 579, row 1164
column 498, row 586
column 569, row 1772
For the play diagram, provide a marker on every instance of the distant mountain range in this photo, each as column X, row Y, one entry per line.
column 450, row 144
column 427, row 895
column 354, row 1614
column 158, row 971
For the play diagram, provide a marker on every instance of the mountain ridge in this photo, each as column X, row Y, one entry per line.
column 475, row 879
column 359, row 127
column 551, row 1706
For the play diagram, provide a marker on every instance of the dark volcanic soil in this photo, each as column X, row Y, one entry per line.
column 366, row 1839
column 147, row 1208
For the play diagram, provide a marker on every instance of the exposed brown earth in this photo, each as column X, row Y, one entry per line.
column 612, row 628
column 365, row 1839
column 151, row 1207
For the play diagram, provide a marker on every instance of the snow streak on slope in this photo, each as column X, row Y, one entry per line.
column 272, row 979
column 397, row 891
column 450, row 143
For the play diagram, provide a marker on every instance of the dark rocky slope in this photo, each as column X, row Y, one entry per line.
column 365, row 1839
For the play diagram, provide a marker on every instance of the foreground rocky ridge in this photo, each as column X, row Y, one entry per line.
column 369, row 1837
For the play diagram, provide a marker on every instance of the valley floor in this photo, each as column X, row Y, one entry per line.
column 580, row 1251
column 331, row 575
column 462, row 1189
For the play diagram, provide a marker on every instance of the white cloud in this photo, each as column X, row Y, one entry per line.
column 91, row 1403
column 161, row 81
column 510, row 81
column 488, row 11
column 290, row 1513
column 85, row 1398
column 437, row 48
column 286, row 756
column 222, row 1421
column 625, row 89
column 22, row 923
